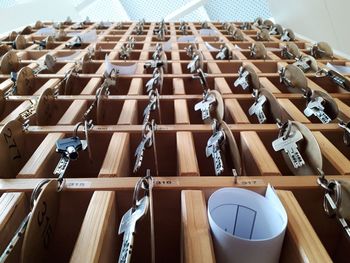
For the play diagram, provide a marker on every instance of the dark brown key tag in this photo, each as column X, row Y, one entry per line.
column 258, row 51
column 11, row 148
column 3, row 49
column 9, row 62
column 290, row 51
column 2, row 102
column 233, row 148
column 45, row 107
column 248, row 78
column 25, row 81
column 322, row 50
column 344, row 208
column 293, row 77
column 41, row 226
column 217, row 111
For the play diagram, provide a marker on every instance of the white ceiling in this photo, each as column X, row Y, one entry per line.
column 123, row 10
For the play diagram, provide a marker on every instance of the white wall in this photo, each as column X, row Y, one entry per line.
column 319, row 20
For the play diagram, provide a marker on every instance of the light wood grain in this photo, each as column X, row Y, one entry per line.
column 97, row 238
column 181, row 112
column 332, row 154
column 116, row 161
column 186, row 155
column 293, row 111
column 301, row 236
column 221, row 85
column 252, row 144
column 197, row 244
column 236, row 112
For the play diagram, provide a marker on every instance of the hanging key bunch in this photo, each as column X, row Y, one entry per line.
column 130, row 220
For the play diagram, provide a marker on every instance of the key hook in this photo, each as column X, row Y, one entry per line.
column 142, row 184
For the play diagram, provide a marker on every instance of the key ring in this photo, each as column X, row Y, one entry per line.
column 142, row 184
column 321, row 73
column 334, row 189
column 283, row 78
column 36, row 192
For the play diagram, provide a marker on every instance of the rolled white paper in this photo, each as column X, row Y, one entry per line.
column 246, row 226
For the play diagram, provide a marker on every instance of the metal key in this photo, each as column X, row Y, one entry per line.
column 213, row 149
column 13, row 90
column 146, row 142
column 69, row 148
column 257, row 108
column 128, row 227
column 242, row 79
column 315, row 107
column 194, row 64
column 205, row 105
column 224, row 53
column 75, row 43
column 289, row 145
column 30, row 111
column 285, row 36
column 304, row 63
column 339, row 79
column 152, row 106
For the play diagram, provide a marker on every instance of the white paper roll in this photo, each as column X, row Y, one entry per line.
column 246, row 226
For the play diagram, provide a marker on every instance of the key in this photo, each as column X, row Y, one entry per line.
column 257, row 108
column 315, row 107
column 70, row 147
column 194, row 64
column 246, row 26
column 30, row 111
column 339, row 79
column 202, row 78
column 49, row 64
column 75, row 43
column 205, row 105
column 146, row 142
column 13, row 90
column 152, row 83
column 224, row 53
column 346, row 128
column 189, row 50
column 290, row 146
column 128, row 227
column 242, row 79
column 332, row 202
column 150, row 107
column 286, row 54
column 213, row 149
column 286, row 37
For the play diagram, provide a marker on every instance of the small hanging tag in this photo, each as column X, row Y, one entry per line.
column 41, row 226
column 12, row 148
column 46, row 31
column 120, row 70
column 88, row 37
column 211, row 48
